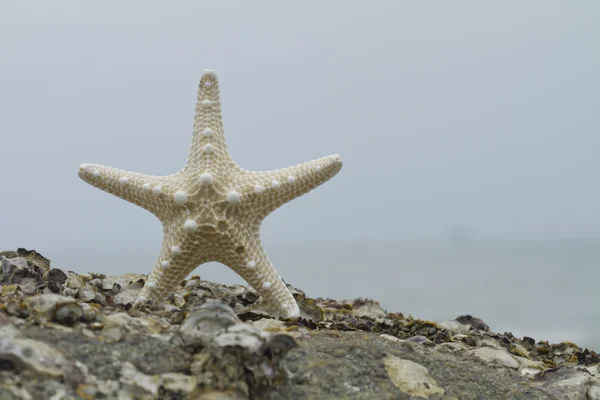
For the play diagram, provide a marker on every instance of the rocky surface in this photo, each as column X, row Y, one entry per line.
column 70, row 336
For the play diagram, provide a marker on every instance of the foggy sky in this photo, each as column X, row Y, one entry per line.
column 483, row 115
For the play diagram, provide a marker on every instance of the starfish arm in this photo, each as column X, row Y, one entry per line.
column 251, row 262
column 178, row 257
column 147, row 191
column 208, row 153
column 266, row 191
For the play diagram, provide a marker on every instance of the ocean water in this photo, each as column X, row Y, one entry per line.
column 545, row 289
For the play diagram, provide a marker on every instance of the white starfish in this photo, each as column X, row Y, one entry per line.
column 212, row 209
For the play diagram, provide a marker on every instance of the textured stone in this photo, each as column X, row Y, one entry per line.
column 496, row 356
column 207, row 349
column 411, row 378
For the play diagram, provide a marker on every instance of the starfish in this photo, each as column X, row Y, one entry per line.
column 212, row 209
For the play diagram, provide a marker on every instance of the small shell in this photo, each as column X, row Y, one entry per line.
column 68, row 314
column 53, row 307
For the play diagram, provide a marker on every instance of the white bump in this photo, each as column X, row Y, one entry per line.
column 190, row 226
column 291, row 180
column 141, row 299
column 266, row 285
column 208, row 148
column 146, row 187
column 207, row 132
column 96, row 173
column 175, row 250
column 180, row 197
column 124, row 180
column 251, row 264
column 83, row 168
column 151, row 285
column 318, row 168
column 233, row 197
column 210, row 72
column 337, row 159
column 165, row 264
column 206, row 103
column 207, row 179
column 275, row 184
column 208, row 83
column 258, row 189
column 157, row 190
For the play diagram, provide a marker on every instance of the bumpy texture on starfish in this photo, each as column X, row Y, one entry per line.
column 212, row 209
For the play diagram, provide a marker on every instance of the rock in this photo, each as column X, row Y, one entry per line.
column 271, row 325
column 455, row 326
column 39, row 358
column 34, row 258
column 475, row 323
column 74, row 281
column 217, row 341
column 203, row 324
column 411, row 378
column 234, row 356
column 7, row 268
column 178, row 384
column 53, row 307
column 593, row 392
column 56, row 275
column 17, row 262
column 131, row 377
column 87, row 293
column 496, row 356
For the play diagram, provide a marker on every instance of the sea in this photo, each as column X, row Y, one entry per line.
column 544, row 289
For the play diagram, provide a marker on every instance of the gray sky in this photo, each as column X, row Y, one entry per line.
column 474, row 113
